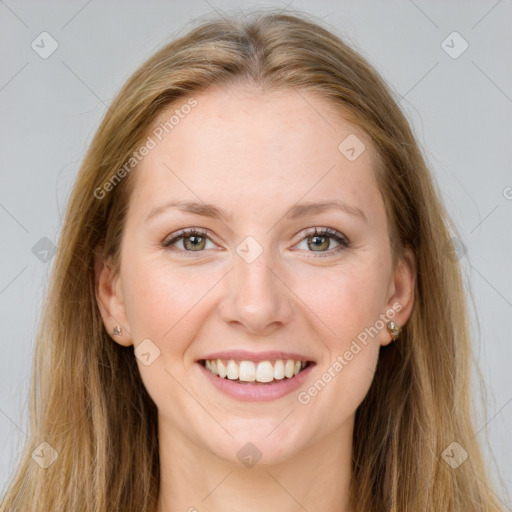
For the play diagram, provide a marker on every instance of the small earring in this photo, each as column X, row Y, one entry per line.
column 394, row 329
column 117, row 331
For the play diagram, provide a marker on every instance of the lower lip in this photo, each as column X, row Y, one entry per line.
column 257, row 392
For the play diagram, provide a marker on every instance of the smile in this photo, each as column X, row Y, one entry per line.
column 256, row 381
column 263, row 372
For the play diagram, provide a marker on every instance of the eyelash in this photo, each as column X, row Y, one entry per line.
column 343, row 241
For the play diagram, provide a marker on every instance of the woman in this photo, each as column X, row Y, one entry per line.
column 253, row 306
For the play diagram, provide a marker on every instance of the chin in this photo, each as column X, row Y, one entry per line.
column 260, row 444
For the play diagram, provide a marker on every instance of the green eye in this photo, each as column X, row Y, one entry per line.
column 317, row 240
column 194, row 240
column 196, row 243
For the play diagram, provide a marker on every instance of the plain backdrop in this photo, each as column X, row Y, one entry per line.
column 459, row 103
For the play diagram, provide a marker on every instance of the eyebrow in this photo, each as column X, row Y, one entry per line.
column 295, row 212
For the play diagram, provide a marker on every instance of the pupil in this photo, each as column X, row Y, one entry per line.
column 194, row 241
column 319, row 241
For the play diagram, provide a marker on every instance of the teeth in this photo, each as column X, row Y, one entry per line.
column 279, row 370
column 265, row 372
column 248, row 371
column 288, row 368
column 232, row 370
column 221, row 369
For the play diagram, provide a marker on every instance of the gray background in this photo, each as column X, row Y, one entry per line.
column 460, row 109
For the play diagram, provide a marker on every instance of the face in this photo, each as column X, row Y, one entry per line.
column 260, row 275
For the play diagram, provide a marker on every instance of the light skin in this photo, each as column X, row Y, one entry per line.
column 255, row 155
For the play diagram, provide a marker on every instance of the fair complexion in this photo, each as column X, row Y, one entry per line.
column 256, row 155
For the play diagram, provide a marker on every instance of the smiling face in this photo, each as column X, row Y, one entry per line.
column 256, row 278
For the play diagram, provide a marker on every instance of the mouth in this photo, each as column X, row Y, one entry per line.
column 266, row 372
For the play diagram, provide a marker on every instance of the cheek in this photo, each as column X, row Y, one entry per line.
column 347, row 305
column 165, row 303
column 339, row 387
column 345, row 300
column 167, row 306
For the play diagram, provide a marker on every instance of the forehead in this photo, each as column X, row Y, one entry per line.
column 255, row 150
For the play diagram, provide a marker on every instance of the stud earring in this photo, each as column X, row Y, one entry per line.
column 117, row 331
column 394, row 329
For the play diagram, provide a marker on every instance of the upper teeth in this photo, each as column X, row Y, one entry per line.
column 248, row 371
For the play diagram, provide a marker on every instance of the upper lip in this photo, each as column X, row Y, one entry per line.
column 243, row 355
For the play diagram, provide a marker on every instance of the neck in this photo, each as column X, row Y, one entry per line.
column 193, row 479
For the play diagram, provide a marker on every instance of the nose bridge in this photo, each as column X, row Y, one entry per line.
column 256, row 298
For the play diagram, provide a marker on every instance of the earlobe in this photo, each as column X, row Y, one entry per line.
column 401, row 300
column 110, row 300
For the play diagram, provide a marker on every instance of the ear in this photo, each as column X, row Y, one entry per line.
column 110, row 299
column 401, row 290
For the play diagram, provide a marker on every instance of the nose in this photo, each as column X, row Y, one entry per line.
column 257, row 298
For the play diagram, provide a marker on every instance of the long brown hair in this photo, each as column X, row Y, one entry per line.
column 88, row 401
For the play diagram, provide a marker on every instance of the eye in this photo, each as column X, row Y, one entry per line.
column 194, row 240
column 319, row 240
